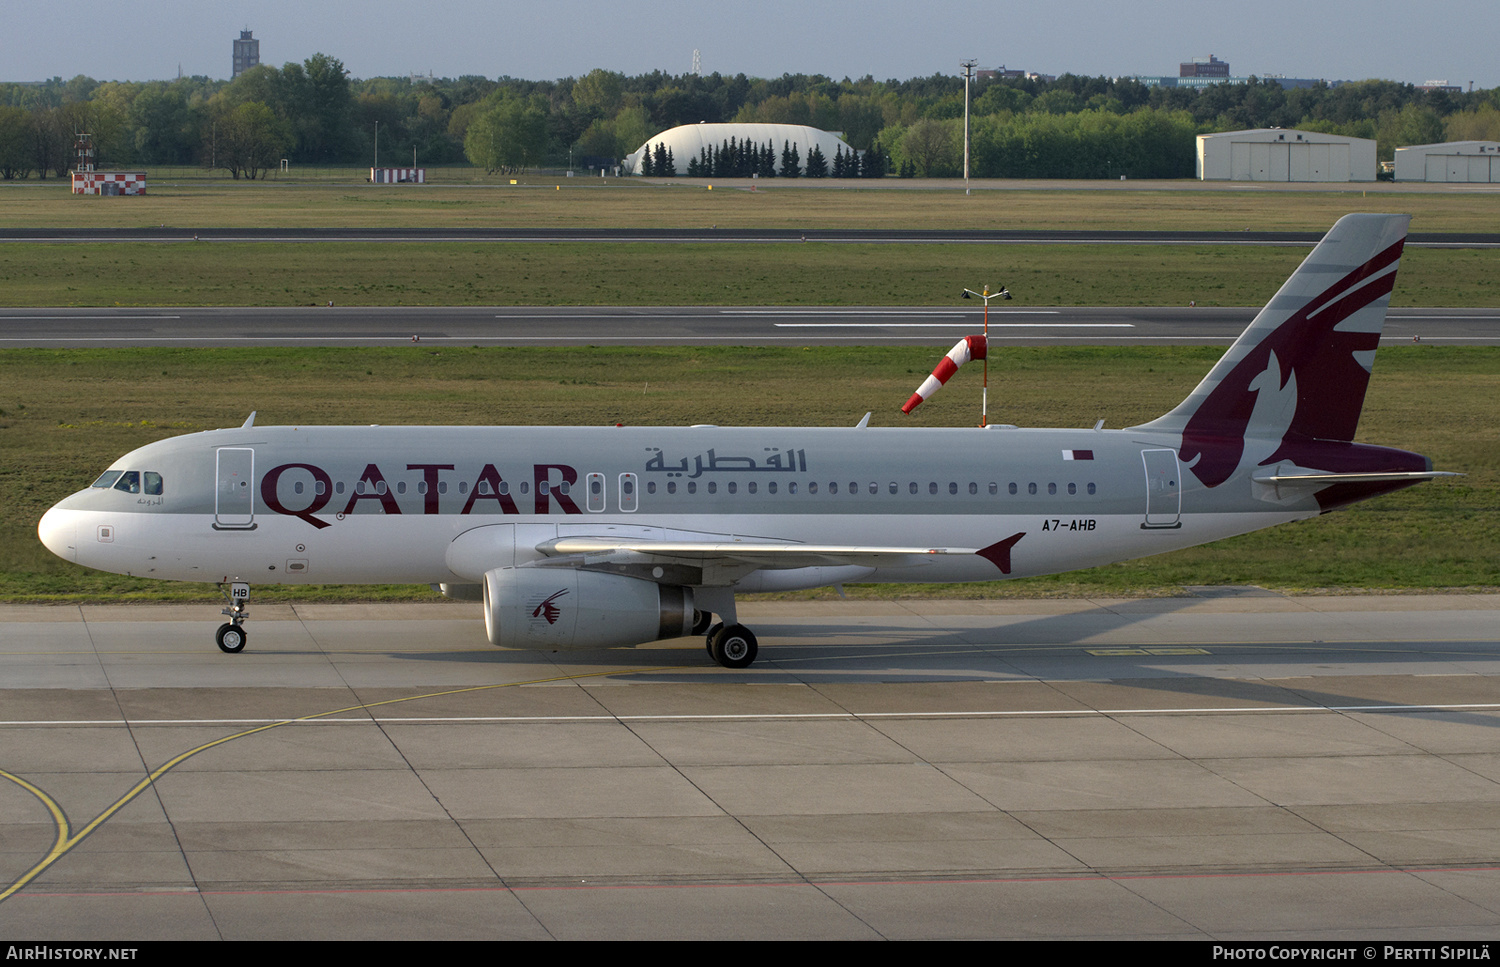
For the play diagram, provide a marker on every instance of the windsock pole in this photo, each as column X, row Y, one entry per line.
column 984, row 396
column 986, row 295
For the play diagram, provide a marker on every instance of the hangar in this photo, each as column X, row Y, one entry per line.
column 687, row 140
column 1282, row 154
column 1461, row 162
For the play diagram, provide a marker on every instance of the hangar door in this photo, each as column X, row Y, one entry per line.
column 1463, row 168
column 1263, row 161
column 1285, row 161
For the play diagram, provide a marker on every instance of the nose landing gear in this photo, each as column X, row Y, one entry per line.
column 231, row 635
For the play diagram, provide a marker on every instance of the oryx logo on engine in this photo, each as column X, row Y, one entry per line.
column 547, row 609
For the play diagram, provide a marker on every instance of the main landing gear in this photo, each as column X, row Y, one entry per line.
column 231, row 636
column 732, row 645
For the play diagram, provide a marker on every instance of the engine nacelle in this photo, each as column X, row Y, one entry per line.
column 559, row 608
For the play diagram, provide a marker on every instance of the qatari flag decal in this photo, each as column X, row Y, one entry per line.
column 1078, row 454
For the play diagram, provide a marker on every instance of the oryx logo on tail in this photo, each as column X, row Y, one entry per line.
column 1295, row 380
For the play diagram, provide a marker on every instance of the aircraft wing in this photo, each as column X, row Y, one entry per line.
column 605, row 550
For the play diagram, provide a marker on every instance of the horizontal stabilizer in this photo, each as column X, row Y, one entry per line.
column 1324, row 479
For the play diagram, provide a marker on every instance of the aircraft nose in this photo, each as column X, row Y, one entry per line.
column 58, row 530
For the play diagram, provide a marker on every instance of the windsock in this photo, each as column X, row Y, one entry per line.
column 969, row 347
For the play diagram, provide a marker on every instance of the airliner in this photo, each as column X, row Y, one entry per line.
column 588, row 537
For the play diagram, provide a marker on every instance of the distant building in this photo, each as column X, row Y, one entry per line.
column 1000, row 73
column 1286, row 83
column 686, row 141
column 1454, row 162
column 1276, row 154
column 1441, row 86
column 246, row 54
column 1198, row 67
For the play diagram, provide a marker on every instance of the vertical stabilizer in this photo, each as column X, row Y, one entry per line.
column 1298, row 373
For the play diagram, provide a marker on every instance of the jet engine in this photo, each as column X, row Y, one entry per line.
column 558, row 608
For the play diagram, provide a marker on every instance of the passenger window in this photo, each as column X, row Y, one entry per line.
column 1091, row 488
column 1012, row 489
column 893, row 487
column 973, row 488
column 713, row 488
column 994, row 488
column 671, row 486
column 912, row 487
column 932, row 487
column 733, row 487
column 751, row 486
column 1052, row 489
column 1031, row 489
column 1072, row 489
column 771, row 487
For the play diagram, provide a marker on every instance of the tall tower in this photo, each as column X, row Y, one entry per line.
column 246, row 54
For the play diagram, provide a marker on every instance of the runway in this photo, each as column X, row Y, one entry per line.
column 1236, row 764
column 682, row 326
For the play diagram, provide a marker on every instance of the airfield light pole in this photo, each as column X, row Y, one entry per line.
column 986, row 295
column 968, row 67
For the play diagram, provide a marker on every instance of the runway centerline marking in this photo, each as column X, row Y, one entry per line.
column 950, row 325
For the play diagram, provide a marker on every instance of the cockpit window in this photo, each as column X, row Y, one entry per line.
column 130, row 481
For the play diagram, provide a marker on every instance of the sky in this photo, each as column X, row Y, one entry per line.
column 1333, row 39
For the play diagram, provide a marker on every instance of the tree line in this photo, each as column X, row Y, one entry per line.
column 315, row 113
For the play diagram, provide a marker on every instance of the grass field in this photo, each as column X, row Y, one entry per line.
column 65, row 415
column 574, row 273
column 265, row 274
column 633, row 203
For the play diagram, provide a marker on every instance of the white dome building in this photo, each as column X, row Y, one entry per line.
column 687, row 141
